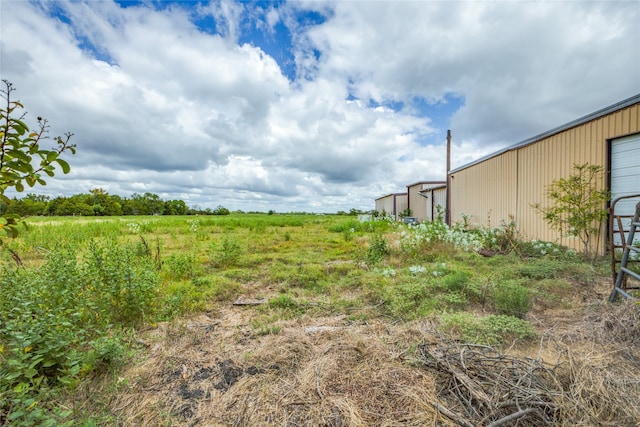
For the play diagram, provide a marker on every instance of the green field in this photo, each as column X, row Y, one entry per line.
column 91, row 306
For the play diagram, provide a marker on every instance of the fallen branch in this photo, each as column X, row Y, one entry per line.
column 485, row 385
column 248, row 302
column 452, row 415
column 513, row 416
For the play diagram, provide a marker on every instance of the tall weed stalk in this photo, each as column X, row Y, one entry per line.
column 63, row 320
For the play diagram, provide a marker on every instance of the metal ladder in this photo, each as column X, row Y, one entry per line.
column 620, row 286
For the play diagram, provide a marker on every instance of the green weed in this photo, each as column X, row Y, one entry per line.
column 180, row 266
column 378, row 249
column 227, row 253
column 61, row 321
column 510, row 298
column 489, row 330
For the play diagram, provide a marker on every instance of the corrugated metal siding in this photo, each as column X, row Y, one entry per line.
column 514, row 180
column 401, row 204
column 385, row 204
column 439, row 199
column 485, row 192
column 417, row 203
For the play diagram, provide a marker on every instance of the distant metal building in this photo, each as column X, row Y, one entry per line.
column 392, row 204
column 504, row 185
column 421, row 200
column 436, row 200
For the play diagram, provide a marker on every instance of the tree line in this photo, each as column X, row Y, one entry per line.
column 100, row 203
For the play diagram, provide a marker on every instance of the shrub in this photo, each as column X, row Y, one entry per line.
column 62, row 320
column 228, row 253
column 378, row 249
column 455, row 282
column 510, row 298
column 181, row 266
column 577, row 205
column 411, row 299
column 125, row 284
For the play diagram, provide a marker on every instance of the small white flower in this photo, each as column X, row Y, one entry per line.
column 417, row 269
column 388, row 272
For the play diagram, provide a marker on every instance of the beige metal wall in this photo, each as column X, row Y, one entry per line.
column 486, row 193
column 439, row 199
column 511, row 182
column 417, row 203
column 385, row 204
column 435, row 197
column 402, row 202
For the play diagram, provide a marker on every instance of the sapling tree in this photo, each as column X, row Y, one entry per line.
column 22, row 159
column 577, row 205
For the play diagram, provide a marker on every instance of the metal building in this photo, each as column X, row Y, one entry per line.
column 392, row 204
column 505, row 185
column 436, row 202
column 421, row 200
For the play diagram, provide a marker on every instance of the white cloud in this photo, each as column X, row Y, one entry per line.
column 159, row 105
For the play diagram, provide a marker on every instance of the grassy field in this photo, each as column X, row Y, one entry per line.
column 307, row 320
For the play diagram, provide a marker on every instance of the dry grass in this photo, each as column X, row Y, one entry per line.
column 317, row 372
column 215, row 369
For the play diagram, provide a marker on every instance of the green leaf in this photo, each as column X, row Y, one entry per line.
column 51, row 156
column 64, row 165
column 17, row 154
column 20, row 127
column 21, row 388
column 21, row 167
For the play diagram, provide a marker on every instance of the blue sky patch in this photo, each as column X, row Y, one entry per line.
column 439, row 113
column 84, row 43
column 275, row 41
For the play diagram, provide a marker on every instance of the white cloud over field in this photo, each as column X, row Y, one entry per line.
column 307, row 106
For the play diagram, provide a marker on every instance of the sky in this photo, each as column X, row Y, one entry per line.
column 305, row 106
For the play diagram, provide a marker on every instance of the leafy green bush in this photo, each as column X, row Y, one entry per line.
column 62, row 320
column 510, row 298
column 180, row 266
column 377, row 250
column 456, row 281
column 125, row 284
column 411, row 299
column 538, row 248
column 539, row 270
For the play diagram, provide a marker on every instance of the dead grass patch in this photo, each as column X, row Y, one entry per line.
column 215, row 370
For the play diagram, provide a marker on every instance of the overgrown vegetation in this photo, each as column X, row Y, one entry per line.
column 72, row 312
column 578, row 205
column 66, row 319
